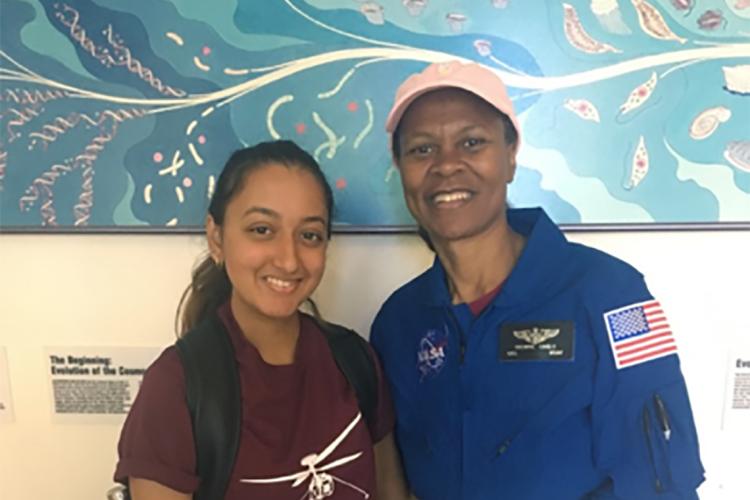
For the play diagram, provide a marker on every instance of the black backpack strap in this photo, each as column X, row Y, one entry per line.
column 212, row 385
column 352, row 355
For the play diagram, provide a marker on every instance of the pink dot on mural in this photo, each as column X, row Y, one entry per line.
column 340, row 183
column 206, row 50
column 187, row 182
column 158, row 157
column 352, row 106
column 201, row 139
column 300, row 128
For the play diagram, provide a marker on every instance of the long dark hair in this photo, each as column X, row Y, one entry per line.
column 210, row 286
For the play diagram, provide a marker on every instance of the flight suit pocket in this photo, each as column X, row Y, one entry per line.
column 659, row 455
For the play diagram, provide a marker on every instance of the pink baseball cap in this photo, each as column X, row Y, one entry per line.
column 471, row 77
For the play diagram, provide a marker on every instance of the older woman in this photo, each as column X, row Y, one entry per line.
column 522, row 366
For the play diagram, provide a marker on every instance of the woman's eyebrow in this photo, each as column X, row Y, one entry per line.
column 262, row 210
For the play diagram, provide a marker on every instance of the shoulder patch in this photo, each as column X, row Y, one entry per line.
column 639, row 333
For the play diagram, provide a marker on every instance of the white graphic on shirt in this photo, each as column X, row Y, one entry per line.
column 322, row 484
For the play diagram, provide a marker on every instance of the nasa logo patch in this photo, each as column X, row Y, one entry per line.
column 431, row 353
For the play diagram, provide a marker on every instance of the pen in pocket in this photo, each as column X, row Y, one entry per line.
column 661, row 412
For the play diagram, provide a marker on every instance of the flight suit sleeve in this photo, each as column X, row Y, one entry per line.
column 643, row 431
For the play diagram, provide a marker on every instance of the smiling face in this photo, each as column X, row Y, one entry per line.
column 455, row 164
column 273, row 240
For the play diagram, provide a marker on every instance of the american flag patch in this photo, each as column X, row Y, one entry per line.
column 639, row 333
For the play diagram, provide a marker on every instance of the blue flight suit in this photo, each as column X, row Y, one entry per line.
column 526, row 400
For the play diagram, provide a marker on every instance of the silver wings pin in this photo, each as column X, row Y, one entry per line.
column 536, row 335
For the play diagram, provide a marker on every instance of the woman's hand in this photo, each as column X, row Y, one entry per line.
column 391, row 484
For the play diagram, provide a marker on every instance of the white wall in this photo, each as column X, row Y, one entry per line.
column 122, row 291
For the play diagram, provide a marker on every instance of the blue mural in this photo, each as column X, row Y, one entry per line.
column 119, row 115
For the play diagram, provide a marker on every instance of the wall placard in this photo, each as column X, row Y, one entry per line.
column 6, row 398
column 95, row 384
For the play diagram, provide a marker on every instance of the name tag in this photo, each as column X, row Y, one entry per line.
column 537, row 341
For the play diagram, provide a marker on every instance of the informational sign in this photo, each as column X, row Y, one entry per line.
column 95, row 384
column 737, row 395
column 6, row 403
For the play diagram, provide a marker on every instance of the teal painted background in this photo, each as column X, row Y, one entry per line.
column 118, row 115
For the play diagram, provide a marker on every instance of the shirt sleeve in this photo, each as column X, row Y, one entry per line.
column 644, row 435
column 157, row 441
column 384, row 416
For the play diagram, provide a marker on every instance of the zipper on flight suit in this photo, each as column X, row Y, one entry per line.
column 646, row 417
column 461, row 336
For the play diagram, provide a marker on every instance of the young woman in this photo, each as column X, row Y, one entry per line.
column 302, row 434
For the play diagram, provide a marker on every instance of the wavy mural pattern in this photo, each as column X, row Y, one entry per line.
column 120, row 115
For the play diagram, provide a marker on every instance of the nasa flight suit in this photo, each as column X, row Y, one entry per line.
column 566, row 386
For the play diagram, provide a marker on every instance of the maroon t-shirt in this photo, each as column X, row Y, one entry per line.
column 478, row 305
column 288, row 413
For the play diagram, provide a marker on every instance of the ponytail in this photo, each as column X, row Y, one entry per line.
column 209, row 288
column 314, row 311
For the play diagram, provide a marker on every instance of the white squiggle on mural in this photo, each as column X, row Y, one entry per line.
column 176, row 164
column 175, row 38
column 147, row 193
column 272, row 110
column 333, row 141
column 211, row 186
column 332, row 147
column 194, row 153
column 263, row 69
column 200, row 64
column 368, row 126
column 345, row 78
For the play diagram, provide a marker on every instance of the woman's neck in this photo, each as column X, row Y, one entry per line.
column 475, row 266
column 274, row 338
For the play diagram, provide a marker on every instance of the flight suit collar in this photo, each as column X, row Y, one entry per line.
column 538, row 265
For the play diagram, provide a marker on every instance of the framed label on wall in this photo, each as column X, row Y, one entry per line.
column 118, row 116
column 6, row 401
column 95, row 384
